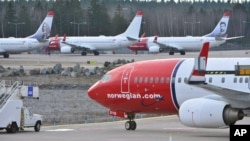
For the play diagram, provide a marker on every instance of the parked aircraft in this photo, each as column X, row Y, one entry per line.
column 32, row 42
column 181, row 44
column 100, row 43
column 204, row 92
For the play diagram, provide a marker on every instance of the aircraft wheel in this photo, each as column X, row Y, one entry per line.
column 171, row 53
column 6, row 55
column 127, row 125
column 130, row 125
column 96, row 53
column 83, row 53
column 182, row 52
column 133, row 125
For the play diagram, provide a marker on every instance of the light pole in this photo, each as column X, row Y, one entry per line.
column 78, row 24
column 16, row 24
column 192, row 24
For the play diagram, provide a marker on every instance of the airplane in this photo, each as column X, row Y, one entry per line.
column 100, row 43
column 155, row 44
column 37, row 40
column 204, row 92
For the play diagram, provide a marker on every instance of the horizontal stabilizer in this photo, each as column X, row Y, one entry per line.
column 231, row 38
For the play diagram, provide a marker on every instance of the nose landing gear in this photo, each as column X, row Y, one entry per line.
column 131, row 124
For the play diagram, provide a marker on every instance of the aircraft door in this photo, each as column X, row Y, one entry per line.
column 125, row 79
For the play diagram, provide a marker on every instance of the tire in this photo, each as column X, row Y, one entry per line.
column 182, row 52
column 13, row 128
column 127, row 125
column 133, row 125
column 37, row 126
column 83, row 53
column 171, row 53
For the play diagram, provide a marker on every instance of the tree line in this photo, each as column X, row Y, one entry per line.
column 111, row 17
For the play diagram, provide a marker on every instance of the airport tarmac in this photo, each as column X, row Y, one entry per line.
column 164, row 128
column 68, row 60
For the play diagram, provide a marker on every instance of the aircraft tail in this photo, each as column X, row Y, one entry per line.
column 133, row 30
column 44, row 29
column 221, row 28
column 199, row 71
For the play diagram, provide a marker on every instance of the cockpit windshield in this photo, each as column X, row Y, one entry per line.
column 106, row 78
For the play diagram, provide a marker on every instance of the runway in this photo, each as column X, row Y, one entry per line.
column 166, row 128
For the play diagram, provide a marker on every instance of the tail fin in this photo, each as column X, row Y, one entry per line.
column 133, row 30
column 199, row 71
column 44, row 29
column 221, row 28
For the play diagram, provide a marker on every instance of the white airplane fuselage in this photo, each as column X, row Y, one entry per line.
column 99, row 43
column 185, row 43
column 20, row 44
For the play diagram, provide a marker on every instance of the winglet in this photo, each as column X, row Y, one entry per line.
column 64, row 37
column 155, row 39
column 199, row 71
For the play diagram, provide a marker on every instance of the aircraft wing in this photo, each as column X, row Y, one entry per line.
column 165, row 45
column 225, row 92
column 43, row 40
column 79, row 46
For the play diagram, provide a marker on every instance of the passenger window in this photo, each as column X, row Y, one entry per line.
column 167, row 80
column 135, row 79
column 151, row 80
column 140, row 79
column 186, row 80
column 173, row 80
column 156, row 79
column 179, row 80
column 246, row 80
column 241, row 80
column 210, row 80
column 223, row 80
column 235, row 80
column 162, row 80
column 146, row 80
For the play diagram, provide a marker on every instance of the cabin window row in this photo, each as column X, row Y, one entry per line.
column 151, row 80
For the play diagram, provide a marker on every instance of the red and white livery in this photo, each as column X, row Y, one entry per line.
column 208, row 93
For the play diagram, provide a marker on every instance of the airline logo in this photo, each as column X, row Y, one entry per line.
column 125, row 79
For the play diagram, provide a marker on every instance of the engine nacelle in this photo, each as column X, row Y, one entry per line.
column 208, row 113
column 66, row 49
column 154, row 49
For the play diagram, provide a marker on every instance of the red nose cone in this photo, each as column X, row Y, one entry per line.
column 92, row 91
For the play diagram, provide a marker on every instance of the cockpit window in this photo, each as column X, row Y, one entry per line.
column 106, row 78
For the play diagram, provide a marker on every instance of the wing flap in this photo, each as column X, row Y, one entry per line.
column 225, row 92
column 79, row 47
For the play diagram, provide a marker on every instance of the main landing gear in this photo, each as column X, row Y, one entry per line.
column 182, row 52
column 131, row 124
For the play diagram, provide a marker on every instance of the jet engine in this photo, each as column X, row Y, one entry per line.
column 208, row 113
column 154, row 49
column 67, row 49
